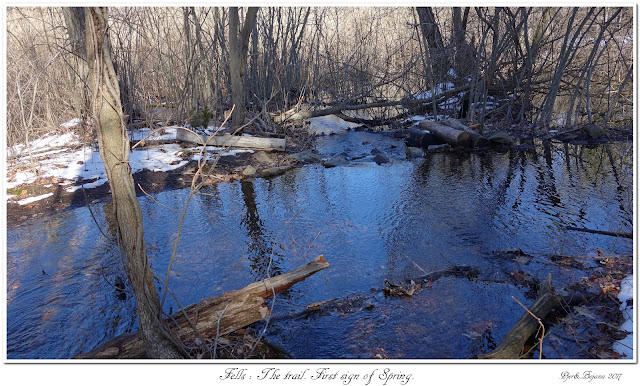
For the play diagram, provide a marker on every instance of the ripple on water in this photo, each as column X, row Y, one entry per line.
column 372, row 222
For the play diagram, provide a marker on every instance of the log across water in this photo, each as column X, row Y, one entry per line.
column 477, row 139
column 234, row 141
column 422, row 138
column 216, row 316
column 453, row 137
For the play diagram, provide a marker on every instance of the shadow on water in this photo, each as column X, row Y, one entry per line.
column 372, row 222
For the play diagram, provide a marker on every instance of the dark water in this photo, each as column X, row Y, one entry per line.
column 372, row 222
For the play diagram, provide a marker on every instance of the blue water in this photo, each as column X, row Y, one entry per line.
column 371, row 222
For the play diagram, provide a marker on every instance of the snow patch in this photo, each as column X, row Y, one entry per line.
column 29, row 200
column 72, row 123
column 329, row 124
column 98, row 182
column 49, row 140
column 167, row 133
column 625, row 346
column 438, row 89
column 71, row 166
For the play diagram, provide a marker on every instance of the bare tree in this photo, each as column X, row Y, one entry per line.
column 238, row 51
column 114, row 150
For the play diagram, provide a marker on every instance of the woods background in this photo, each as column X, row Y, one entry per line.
column 545, row 66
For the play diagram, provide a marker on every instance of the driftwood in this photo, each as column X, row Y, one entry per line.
column 410, row 287
column 453, row 137
column 216, row 316
column 234, row 141
column 511, row 345
column 423, row 138
column 606, row 233
column 477, row 139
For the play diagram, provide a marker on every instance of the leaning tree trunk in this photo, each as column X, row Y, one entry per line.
column 114, row 150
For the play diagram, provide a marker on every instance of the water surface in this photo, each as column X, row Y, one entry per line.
column 372, row 222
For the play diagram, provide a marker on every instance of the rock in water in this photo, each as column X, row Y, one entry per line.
column 263, row 158
column 334, row 161
column 306, row 156
column 500, row 137
column 414, row 152
column 249, row 171
column 381, row 159
column 270, row 172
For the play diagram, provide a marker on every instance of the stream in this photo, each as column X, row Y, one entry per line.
column 372, row 222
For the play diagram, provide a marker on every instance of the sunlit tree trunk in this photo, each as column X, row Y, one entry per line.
column 114, row 150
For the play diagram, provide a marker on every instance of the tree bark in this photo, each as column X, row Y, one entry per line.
column 477, row 139
column 423, row 138
column 511, row 345
column 114, row 150
column 238, row 51
column 216, row 316
column 234, row 141
column 429, row 28
column 453, row 137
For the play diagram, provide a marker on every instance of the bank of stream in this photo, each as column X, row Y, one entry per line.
column 502, row 212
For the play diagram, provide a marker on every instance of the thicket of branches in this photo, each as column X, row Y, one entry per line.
column 545, row 66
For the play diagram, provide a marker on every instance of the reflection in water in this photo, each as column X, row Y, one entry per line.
column 264, row 263
column 372, row 222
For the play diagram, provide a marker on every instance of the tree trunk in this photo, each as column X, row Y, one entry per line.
column 423, row 138
column 453, row 137
column 429, row 28
column 238, row 51
column 114, row 150
column 477, row 139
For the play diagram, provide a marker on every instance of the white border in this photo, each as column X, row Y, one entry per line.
column 424, row 372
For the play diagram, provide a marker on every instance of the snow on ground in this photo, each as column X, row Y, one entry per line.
column 49, row 140
column 167, row 133
column 625, row 346
column 329, row 124
column 29, row 200
column 84, row 163
column 439, row 89
column 72, row 123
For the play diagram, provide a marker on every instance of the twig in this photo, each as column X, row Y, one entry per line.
column 215, row 343
column 156, row 201
column 606, row 233
column 539, row 322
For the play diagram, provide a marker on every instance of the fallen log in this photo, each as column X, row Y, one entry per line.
column 216, row 316
column 606, row 233
column 411, row 286
column 234, row 141
column 453, row 137
column 477, row 139
column 296, row 114
column 511, row 345
column 423, row 138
